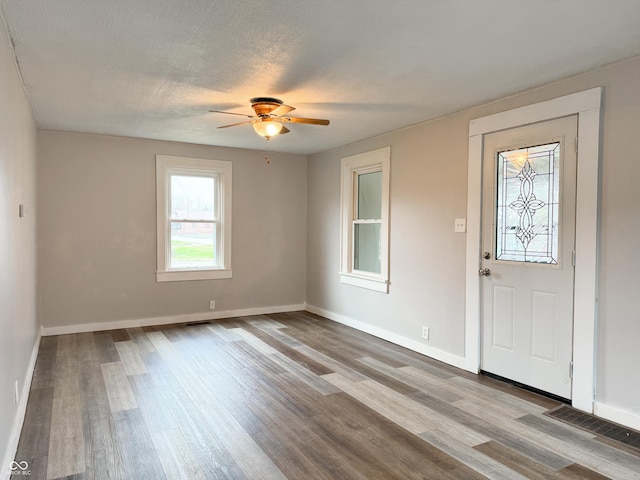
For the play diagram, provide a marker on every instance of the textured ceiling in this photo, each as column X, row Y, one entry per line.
column 152, row 68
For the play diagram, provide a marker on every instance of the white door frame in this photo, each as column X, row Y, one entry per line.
column 586, row 105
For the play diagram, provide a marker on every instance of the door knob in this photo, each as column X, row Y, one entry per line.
column 485, row 272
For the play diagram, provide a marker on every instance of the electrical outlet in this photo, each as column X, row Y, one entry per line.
column 425, row 333
column 212, row 305
column 17, row 393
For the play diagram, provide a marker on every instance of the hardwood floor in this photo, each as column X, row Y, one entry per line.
column 287, row 396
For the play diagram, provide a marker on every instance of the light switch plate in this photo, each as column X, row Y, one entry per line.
column 460, row 225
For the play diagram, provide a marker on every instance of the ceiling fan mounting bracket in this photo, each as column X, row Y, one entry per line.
column 277, row 101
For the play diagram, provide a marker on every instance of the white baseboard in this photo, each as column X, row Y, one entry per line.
column 18, row 421
column 414, row 345
column 617, row 415
column 187, row 318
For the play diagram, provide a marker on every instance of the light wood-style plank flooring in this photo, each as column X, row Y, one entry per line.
column 287, row 396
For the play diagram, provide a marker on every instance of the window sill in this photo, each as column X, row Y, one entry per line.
column 375, row 284
column 186, row 275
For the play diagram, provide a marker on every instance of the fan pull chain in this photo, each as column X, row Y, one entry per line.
column 266, row 150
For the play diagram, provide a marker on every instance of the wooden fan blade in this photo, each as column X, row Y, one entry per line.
column 232, row 113
column 282, row 110
column 312, row 121
column 236, row 124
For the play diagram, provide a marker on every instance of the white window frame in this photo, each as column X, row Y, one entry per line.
column 373, row 161
column 166, row 166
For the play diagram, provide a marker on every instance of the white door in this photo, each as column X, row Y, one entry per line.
column 528, row 237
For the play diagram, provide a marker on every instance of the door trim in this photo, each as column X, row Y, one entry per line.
column 587, row 105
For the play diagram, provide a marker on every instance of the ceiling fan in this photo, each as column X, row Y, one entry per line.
column 270, row 116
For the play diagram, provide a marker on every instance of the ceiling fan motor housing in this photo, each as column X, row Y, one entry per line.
column 263, row 106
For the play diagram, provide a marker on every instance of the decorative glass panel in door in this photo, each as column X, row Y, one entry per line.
column 528, row 204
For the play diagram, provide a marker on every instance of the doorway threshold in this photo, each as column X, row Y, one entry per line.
column 526, row 387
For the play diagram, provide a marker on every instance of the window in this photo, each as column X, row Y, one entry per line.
column 193, row 218
column 365, row 220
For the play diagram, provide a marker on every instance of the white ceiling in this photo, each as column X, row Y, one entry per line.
column 152, row 68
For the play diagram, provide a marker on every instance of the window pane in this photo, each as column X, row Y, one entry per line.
column 192, row 197
column 528, row 199
column 370, row 196
column 193, row 245
column 366, row 250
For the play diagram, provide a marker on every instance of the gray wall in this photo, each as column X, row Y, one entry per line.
column 97, row 231
column 18, row 328
column 427, row 259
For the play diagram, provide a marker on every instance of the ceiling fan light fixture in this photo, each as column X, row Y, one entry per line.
column 267, row 127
